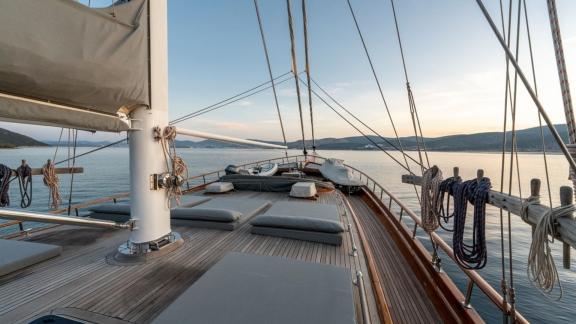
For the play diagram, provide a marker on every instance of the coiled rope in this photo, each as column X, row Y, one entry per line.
column 542, row 269
column 5, row 173
column 446, row 188
column 174, row 163
column 24, row 174
column 53, row 183
column 476, row 192
column 430, row 206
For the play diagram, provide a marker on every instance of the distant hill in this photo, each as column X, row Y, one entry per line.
column 10, row 139
column 528, row 140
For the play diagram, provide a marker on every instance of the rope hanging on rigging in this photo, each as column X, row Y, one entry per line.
column 447, row 188
column 53, row 183
column 295, row 73
column 471, row 256
column 24, row 175
column 431, row 203
column 5, row 173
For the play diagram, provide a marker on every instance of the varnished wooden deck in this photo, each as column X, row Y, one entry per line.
column 82, row 279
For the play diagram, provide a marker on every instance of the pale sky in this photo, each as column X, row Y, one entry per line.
column 455, row 65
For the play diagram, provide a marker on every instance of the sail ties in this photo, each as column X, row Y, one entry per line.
column 431, row 202
column 476, row 191
column 52, row 181
column 175, row 165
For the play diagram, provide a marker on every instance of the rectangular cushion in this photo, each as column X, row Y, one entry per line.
column 303, row 190
column 254, row 289
column 219, row 187
column 16, row 255
column 301, row 216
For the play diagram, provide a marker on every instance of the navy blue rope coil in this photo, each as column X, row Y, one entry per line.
column 24, row 173
column 446, row 187
column 5, row 174
column 471, row 256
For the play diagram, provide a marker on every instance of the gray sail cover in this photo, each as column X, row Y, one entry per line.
column 64, row 64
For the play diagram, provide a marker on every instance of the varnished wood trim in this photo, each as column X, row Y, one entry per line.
column 382, row 303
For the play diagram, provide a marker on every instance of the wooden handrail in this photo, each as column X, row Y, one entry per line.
column 482, row 284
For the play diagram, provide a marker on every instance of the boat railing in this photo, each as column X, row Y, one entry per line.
column 191, row 184
column 474, row 278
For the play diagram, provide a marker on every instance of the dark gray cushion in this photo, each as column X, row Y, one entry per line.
column 247, row 288
column 301, row 216
column 122, row 209
column 16, row 255
column 319, row 237
column 206, row 214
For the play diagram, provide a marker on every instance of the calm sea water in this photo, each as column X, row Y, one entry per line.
column 106, row 172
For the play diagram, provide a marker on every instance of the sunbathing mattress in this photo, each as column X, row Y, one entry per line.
column 302, row 221
column 251, row 289
column 16, row 255
column 219, row 213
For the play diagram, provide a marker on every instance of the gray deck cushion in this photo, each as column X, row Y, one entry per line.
column 206, row 214
column 16, row 255
column 320, row 237
column 301, row 216
column 219, row 213
column 124, row 207
column 247, row 288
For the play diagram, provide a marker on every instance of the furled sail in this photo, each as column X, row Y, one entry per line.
column 64, row 64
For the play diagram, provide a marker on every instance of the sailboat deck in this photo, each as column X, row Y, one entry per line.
column 81, row 278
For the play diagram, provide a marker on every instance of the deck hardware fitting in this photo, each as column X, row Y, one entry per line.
column 468, row 298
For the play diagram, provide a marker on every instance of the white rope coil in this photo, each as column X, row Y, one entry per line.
column 542, row 270
column 431, row 203
column 53, row 183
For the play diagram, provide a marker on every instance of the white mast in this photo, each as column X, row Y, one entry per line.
column 148, row 206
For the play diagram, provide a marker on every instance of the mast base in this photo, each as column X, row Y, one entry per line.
column 131, row 253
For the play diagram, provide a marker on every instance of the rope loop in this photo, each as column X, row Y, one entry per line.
column 542, row 270
column 474, row 255
column 448, row 187
column 431, row 204
column 24, row 174
column 53, row 183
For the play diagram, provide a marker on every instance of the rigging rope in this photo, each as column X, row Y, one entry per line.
column 222, row 103
column 377, row 81
column 270, row 73
column 24, row 175
column 420, row 144
column 471, row 256
column 431, row 203
column 53, row 183
column 307, row 56
column 5, row 173
column 295, row 73
column 72, row 175
column 359, row 120
column 360, row 131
